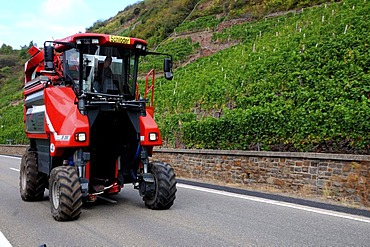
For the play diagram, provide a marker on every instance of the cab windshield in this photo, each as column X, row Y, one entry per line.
column 108, row 70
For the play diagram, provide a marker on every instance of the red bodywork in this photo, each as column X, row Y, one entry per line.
column 62, row 120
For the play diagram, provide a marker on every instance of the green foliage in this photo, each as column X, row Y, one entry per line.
column 23, row 53
column 11, row 125
column 180, row 49
column 151, row 20
column 98, row 24
column 5, row 69
column 6, row 49
column 201, row 23
column 11, row 85
column 159, row 18
column 297, row 82
column 172, row 128
column 155, row 20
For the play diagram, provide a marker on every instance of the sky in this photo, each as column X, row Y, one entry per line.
column 23, row 21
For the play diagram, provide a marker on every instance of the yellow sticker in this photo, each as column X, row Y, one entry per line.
column 119, row 39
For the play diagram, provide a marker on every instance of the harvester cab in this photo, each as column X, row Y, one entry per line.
column 90, row 129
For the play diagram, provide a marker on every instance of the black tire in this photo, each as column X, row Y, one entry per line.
column 165, row 186
column 32, row 183
column 65, row 193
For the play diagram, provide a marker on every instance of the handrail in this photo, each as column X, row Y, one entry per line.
column 149, row 88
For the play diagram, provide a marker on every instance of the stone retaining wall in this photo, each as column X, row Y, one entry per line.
column 342, row 177
column 13, row 149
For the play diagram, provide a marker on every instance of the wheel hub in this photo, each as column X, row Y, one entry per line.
column 147, row 185
column 23, row 179
column 55, row 194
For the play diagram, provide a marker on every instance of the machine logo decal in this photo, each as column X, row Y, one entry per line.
column 119, row 39
column 62, row 137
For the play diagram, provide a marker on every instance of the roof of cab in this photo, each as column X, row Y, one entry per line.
column 104, row 39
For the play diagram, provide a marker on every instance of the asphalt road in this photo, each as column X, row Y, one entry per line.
column 199, row 217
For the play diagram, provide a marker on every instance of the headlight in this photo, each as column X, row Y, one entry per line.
column 153, row 136
column 80, row 137
column 140, row 47
column 87, row 41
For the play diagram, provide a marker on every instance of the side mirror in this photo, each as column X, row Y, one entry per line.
column 168, row 69
column 49, row 57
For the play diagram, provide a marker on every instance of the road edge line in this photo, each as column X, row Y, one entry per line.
column 278, row 203
column 4, row 242
column 10, row 156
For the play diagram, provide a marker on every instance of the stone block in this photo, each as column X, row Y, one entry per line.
column 363, row 180
column 323, row 168
column 279, row 182
column 313, row 170
column 270, row 180
column 347, row 167
column 298, row 169
column 274, row 170
column 356, row 166
column 323, row 164
column 353, row 178
column 332, row 165
column 337, row 171
column 298, row 163
column 314, row 163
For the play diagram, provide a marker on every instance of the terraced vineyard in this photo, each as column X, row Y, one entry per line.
column 266, row 75
column 11, row 84
column 298, row 81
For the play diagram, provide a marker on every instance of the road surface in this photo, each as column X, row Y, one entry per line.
column 199, row 217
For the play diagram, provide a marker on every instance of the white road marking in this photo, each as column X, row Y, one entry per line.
column 3, row 241
column 12, row 157
column 256, row 199
column 278, row 203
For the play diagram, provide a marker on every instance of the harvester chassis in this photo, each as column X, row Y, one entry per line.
column 89, row 128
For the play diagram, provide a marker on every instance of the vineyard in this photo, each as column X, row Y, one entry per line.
column 294, row 77
column 295, row 82
column 11, row 85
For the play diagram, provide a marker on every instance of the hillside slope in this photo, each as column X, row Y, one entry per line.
column 297, row 81
column 155, row 20
column 267, row 78
column 11, row 85
column 257, row 75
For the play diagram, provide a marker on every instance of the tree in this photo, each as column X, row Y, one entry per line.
column 24, row 50
column 6, row 49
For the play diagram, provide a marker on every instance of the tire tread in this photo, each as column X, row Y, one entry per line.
column 166, row 187
column 36, row 181
column 70, row 199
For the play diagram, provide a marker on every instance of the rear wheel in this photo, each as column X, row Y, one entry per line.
column 32, row 183
column 65, row 193
column 165, row 186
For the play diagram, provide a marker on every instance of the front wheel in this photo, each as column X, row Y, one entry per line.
column 65, row 193
column 165, row 186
